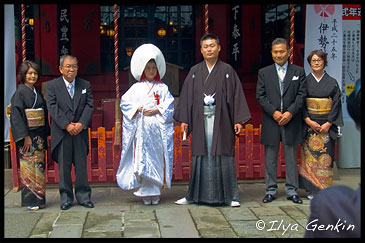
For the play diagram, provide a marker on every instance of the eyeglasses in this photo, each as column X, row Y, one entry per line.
column 316, row 61
column 68, row 66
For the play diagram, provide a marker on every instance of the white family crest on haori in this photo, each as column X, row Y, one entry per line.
column 209, row 100
column 142, row 55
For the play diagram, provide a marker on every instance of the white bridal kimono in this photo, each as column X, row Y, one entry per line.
column 147, row 141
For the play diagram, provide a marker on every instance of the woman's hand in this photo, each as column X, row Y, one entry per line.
column 27, row 146
column 325, row 127
column 313, row 125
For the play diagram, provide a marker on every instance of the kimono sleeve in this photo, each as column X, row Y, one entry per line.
column 335, row 116
column 18, row 120
column 128, row 105
column 183, row 108
column 241, row 111
column 166, row 106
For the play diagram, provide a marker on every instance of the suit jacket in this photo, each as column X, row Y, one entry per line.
column 268, row 95
column 64, row 110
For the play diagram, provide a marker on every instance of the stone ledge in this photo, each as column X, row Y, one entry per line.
column 8, row 179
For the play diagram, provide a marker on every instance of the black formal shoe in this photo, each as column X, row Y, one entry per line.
column 65, row 206
column 295, row 199
column 268, row 198
column 87, row 205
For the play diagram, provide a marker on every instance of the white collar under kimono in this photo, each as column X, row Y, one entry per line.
column 210, row 69
column 318, row 79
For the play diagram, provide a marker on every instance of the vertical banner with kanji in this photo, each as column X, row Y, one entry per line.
column 323, row 30
column 64, row 29
column 236, row 29
column 351, row 17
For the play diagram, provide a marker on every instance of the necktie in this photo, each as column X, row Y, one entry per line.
column 70, row 90
column 281, row 79
column 281, row 83
column 281, row 73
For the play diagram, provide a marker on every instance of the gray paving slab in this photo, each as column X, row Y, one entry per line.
column 20, row 225
column 106, row 234
column 217, row 232
column 103, row 224
column 141, row 229
column 268, row 211
column 45, row 225
column 139, row 215
column 294, row 211
column 208, row 218
column 176, row 223
column 119, row 214
column 66, row 231
column 6, row 191
column 248, row 229
column 240, row 213
column 70, row 218
column 12, row 199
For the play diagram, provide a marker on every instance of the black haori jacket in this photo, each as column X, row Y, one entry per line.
column 231, row 107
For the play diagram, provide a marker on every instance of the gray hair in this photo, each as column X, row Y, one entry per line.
column 62, row 58
column 279, row 41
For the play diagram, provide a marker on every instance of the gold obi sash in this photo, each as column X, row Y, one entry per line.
column 319, row 105
column 35, row 117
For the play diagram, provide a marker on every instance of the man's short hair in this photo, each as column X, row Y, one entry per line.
column 62, row 58
column 279, row 41
column 209, row 36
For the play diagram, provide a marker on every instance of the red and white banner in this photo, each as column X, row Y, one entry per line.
column 335, row 29
column 323, row 30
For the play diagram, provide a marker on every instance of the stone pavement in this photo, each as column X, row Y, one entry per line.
column 119, row 214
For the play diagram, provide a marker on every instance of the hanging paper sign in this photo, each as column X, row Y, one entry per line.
column 323, row 30
column 236, row 30
column 351, row 16
column 64, row 30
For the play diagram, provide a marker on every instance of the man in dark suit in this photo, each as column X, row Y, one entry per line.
column 281, row 91
column 70, row 104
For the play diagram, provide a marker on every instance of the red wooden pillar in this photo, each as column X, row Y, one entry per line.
column 14, row 163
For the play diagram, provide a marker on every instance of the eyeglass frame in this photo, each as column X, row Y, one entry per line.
column 317, row 61
column 68, row 66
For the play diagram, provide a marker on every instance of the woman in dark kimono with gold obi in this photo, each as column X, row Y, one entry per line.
column 29, row 127
column 323, row 116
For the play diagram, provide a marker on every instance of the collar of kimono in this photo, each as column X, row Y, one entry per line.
column 157, row 77
column 154, row 82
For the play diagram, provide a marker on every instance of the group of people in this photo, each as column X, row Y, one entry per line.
column 212, row 107
column 69, row 104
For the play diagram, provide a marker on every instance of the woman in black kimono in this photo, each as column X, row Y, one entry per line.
column 29, row 127
column 323, row 115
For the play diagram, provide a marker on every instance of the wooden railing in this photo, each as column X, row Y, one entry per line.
column 104, row 157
